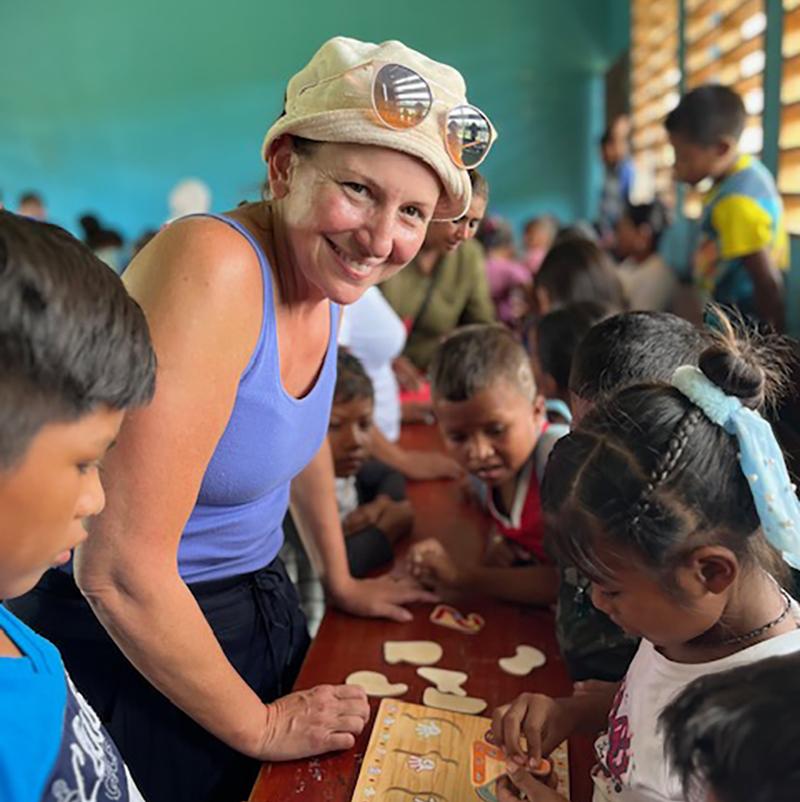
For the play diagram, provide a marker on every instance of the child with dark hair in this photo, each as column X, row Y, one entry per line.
column 577, row 270
column 370, row 495
column 552, row 343
column 735, row 737
column 675, row 501
column 648, row 280
column 493, row 423
column 509, row 279
column 618, row 352
column 618, row 176
column 75, row 353
column 538, row 235
column 744, row 246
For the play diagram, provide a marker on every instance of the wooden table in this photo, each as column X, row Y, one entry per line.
column 345, row 644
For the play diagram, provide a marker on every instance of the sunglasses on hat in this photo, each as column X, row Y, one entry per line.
column 402, row 99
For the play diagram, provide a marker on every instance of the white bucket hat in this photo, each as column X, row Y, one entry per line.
column 328, row 102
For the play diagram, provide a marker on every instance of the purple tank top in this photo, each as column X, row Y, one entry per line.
column 235, row 526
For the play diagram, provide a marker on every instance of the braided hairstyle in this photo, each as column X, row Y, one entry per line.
column 647, row 471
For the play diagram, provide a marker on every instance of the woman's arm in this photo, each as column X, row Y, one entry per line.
column 191, row 283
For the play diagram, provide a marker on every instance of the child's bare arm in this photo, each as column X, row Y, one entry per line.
column 526, row 584
column 768, row 289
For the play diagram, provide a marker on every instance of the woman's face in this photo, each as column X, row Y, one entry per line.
column 447, row 235
column 354, row 214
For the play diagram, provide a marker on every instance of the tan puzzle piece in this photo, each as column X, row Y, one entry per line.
column 458, row 704
column 523, row 662
column 416, row 652
column 445, row 681
column 375, row 684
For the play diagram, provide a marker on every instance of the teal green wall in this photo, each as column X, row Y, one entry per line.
column 106, row 105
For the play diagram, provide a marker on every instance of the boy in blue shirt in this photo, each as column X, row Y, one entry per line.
column 744, row 247
column 75, row 353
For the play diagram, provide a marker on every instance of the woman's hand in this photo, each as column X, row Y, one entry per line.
column 408, row 375
column 543, row 722
column 312, row 722
column 522, row 785
column 383, row 597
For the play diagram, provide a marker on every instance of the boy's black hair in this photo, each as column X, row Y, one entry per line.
column 631, row 348
column 558, row 335
column 352, row 380
column 655, row 215
column 737, row 732
column 578, row 270
column 71, row 338
column 30, row 197
column 474, row 357
column 649, row 473
column 707, row 115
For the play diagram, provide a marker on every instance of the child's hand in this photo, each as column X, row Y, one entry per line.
column 408, row 375
column 521, row 785
column 499, row 552
column 425, row 465
column 364, row 516
column 544, row 722
column 395, row 519
column 430, row 564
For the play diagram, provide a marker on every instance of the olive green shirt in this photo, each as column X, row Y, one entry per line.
column 460, row 296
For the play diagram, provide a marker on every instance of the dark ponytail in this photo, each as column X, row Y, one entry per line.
column 648, row 471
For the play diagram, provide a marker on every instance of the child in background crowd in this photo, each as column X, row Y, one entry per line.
column 493, row 422
column 618, row 177
column 675, row 501
column 648, row 281
column 75, row 353
column 716, row 729
column 552, row 343
column 577, row 270
column 744, row 247
column 508, row 278
column 538, row 235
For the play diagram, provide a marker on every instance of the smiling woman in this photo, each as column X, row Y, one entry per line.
column 182, row 569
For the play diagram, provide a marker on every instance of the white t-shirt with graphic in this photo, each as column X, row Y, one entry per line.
column 631, row 762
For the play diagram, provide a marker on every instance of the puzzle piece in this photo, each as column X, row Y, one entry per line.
column 375, row 684
column 447, row 616
column 524, row 661
column 416, row 652
column 445, row 681
column 458, row 704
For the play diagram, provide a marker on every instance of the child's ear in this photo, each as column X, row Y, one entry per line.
column 539, row 411
column 714, row 568
column 282, row 160
column 726, row 146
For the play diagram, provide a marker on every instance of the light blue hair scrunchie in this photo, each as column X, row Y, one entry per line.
column 760, row 457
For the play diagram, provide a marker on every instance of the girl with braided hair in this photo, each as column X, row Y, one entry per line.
column 675, row 501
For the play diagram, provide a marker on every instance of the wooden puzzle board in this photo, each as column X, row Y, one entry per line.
column 421, row 754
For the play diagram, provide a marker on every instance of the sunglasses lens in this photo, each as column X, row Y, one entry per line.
column 469, row 136
column 402, row 99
